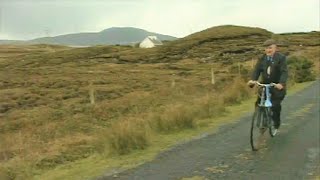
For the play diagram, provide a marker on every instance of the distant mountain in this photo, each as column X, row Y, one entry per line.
column 12, row 42
column 115, row 35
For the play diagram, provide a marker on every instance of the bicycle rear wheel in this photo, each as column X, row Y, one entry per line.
column 257, row 128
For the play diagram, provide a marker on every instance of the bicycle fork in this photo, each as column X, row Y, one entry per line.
column 264, row 118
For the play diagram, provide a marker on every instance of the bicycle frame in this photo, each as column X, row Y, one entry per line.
column 265, row 104
column 265, row 98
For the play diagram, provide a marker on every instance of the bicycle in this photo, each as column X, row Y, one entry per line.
column 262, row 117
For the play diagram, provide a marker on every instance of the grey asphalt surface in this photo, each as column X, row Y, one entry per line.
column 292, row 154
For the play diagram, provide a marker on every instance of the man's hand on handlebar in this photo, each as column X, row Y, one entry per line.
column 251, row 83
column 278, row 86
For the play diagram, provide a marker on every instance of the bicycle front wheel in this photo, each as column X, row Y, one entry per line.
column 257, row 128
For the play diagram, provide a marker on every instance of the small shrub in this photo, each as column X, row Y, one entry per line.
column 300, row 69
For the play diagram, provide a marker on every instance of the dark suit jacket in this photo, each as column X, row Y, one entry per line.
column 278, row 68
column 278, row 72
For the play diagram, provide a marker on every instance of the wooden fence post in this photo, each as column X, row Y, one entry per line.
column 212, row 77
column 173, row 82
column 91, row 93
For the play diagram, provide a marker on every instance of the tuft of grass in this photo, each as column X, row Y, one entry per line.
column 174, row 117
column 209, row 106
column 128, row 135
column 236, row 92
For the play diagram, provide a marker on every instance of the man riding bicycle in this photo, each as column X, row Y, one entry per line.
column 272, row 66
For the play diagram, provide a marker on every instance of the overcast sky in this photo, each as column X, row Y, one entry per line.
column 27, row 19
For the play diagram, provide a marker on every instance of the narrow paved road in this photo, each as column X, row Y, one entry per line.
column 292, row 154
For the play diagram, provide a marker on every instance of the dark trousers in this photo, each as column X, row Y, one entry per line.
column 276, row 98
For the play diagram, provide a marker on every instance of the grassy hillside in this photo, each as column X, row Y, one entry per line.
column 60, row 105
column 301, row 39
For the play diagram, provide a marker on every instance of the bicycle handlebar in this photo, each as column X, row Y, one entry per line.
column 265, row 85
